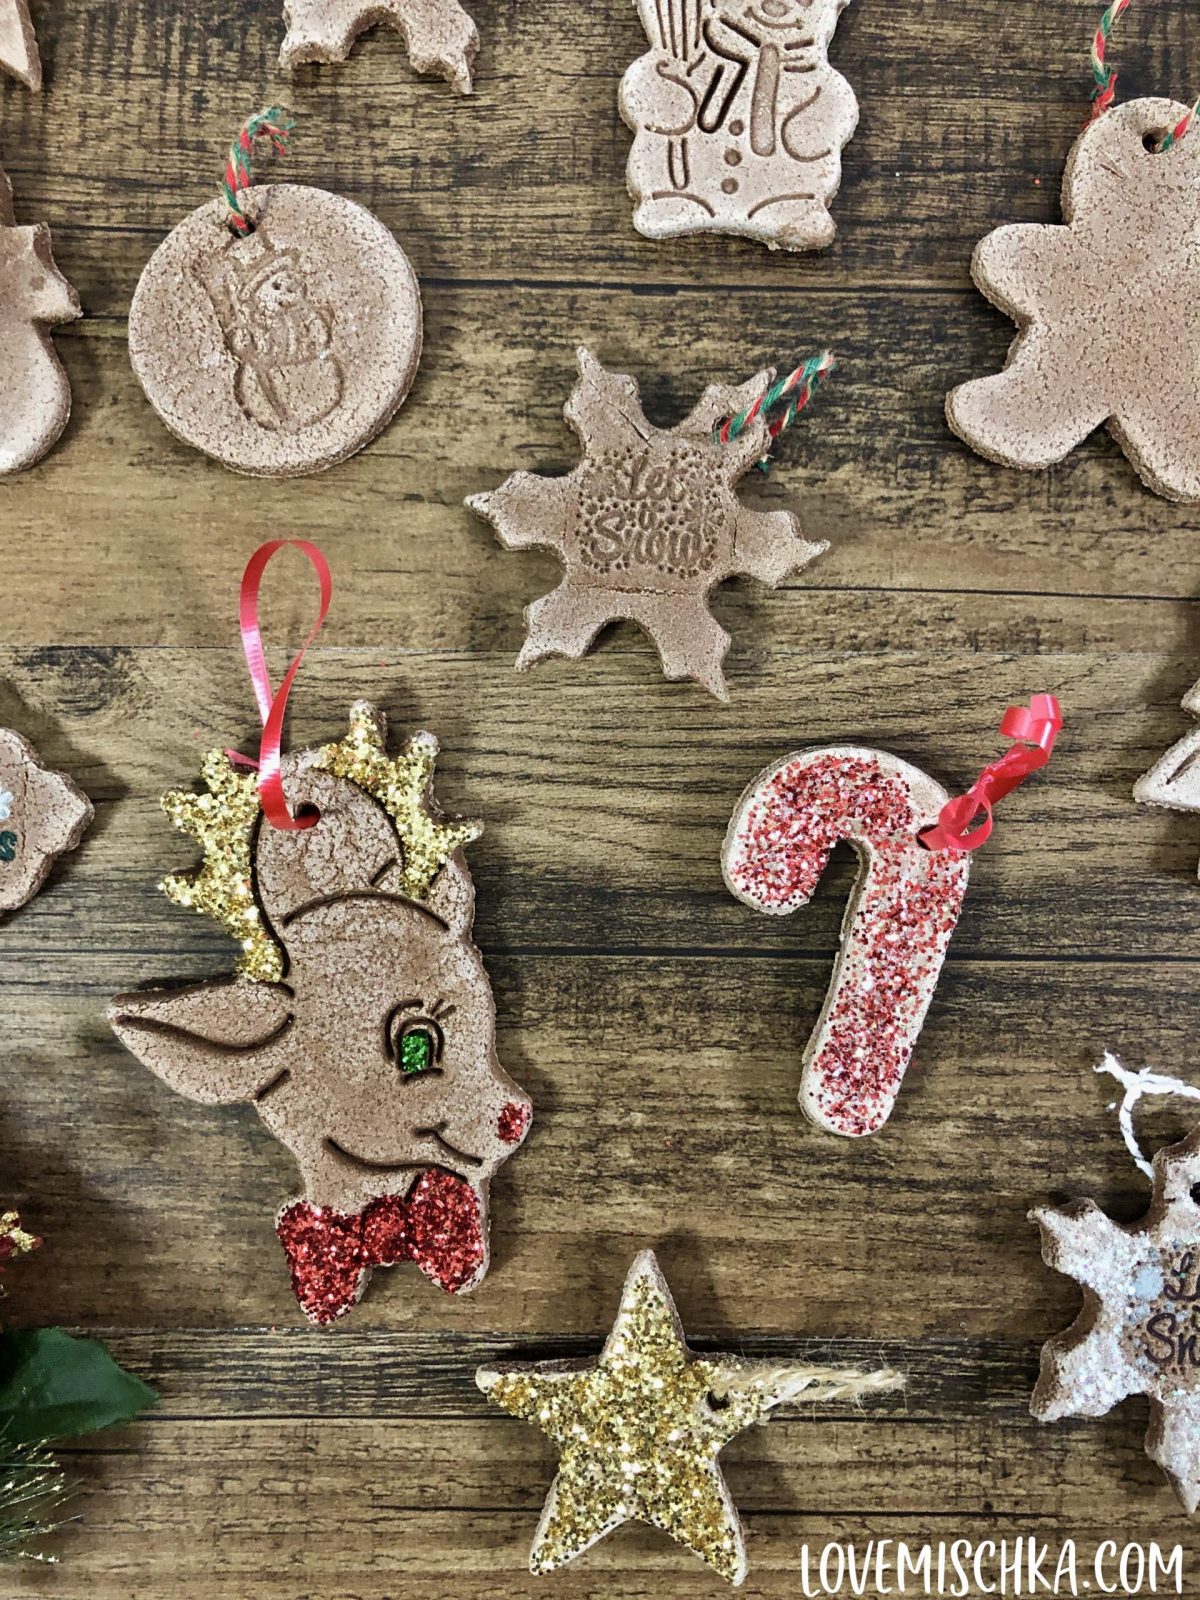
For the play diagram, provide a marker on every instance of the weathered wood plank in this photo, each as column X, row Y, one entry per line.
column 607, row 791
column 387, row 1513
column 292, row 1373
column 903, row 505
column 666, row 1116
column 968, row 113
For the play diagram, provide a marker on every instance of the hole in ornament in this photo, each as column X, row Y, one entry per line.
column 717, row 1402
column 308, row 811
column 1153, row 141
column 1196, row 1193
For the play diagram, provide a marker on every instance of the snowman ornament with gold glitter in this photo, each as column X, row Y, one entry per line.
column 641, row 1428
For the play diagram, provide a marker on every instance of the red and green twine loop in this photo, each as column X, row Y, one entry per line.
column 779, row 405
column 1104, row 78
column 275, row 124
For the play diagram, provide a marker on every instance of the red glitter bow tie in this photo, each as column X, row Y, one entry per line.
column 332, row 1253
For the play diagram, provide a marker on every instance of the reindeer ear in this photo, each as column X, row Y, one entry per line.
column 212, row 1044
column 453, row 895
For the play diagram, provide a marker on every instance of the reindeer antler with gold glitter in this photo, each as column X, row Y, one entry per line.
column 226, row 819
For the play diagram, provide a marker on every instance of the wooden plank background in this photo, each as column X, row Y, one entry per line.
column 657, row 1023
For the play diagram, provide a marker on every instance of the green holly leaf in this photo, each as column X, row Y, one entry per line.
column 54, row 1387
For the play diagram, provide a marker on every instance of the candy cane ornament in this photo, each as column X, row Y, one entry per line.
column 914, row 847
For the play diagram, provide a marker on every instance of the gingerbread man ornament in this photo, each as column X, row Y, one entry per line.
column 739, row 120
column 1105, row 305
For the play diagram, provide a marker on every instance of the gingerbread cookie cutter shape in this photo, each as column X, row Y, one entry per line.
column 439, row 36
column 640, row 1429
column 1173, row 781
column 43, row 814
column 18, row 44
column 278, row 329
column 739, row 121
column 914, row 846
column 1137, row 1332
column 650, row 521
column 1104, row 304
column 35, row 393
column 360, row 1024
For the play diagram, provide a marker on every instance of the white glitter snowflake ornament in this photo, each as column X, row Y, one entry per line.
column 1139, row 1330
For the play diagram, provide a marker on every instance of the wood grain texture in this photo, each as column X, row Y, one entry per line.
column 658, row 1024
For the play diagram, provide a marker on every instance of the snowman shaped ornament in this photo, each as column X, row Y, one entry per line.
column 738, row 119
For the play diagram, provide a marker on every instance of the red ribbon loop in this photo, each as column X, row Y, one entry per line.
column 272, row 706
column 1035, row 727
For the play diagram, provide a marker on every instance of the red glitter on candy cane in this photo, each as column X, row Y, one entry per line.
column 907, row 909
column 332, row 1254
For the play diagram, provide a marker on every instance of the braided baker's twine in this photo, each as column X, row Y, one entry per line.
column 779, row 405
column 275, row 124
column 1104, row 78
column 1138, row 1085
column 786, row 1384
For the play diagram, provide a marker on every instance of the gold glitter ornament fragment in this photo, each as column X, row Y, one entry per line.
column 223, row 822
column 403, row 785
column 640, row 1429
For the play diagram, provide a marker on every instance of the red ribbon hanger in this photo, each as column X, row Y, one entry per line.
column 272, row 706
column 1036, row 728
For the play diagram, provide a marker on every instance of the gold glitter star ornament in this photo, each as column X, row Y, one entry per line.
column 640, row 1429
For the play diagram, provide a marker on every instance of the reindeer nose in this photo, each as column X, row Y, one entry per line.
column 513, row 1122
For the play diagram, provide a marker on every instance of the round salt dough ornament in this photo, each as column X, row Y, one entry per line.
column 278, row 329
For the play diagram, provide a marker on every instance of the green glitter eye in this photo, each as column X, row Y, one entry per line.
column 418, row 1050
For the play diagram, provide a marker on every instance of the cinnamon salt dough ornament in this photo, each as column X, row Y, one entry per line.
column 18, row 44
column 640, row 1428
column 42, row 815
column 361, row 1024
column 648, row 524
column 279, row 329
column 914, row 853
column 1104, row 304
column 1138, row 1330
column 35, row 394
column 1174, row 780
column 438, row 34
column 738, row 119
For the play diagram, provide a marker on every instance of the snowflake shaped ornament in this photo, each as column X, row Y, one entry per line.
column 1139, row 1331
column 647, row 525
column 1105, row 304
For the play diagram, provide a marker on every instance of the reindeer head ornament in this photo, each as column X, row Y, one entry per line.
column 361, row 1023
